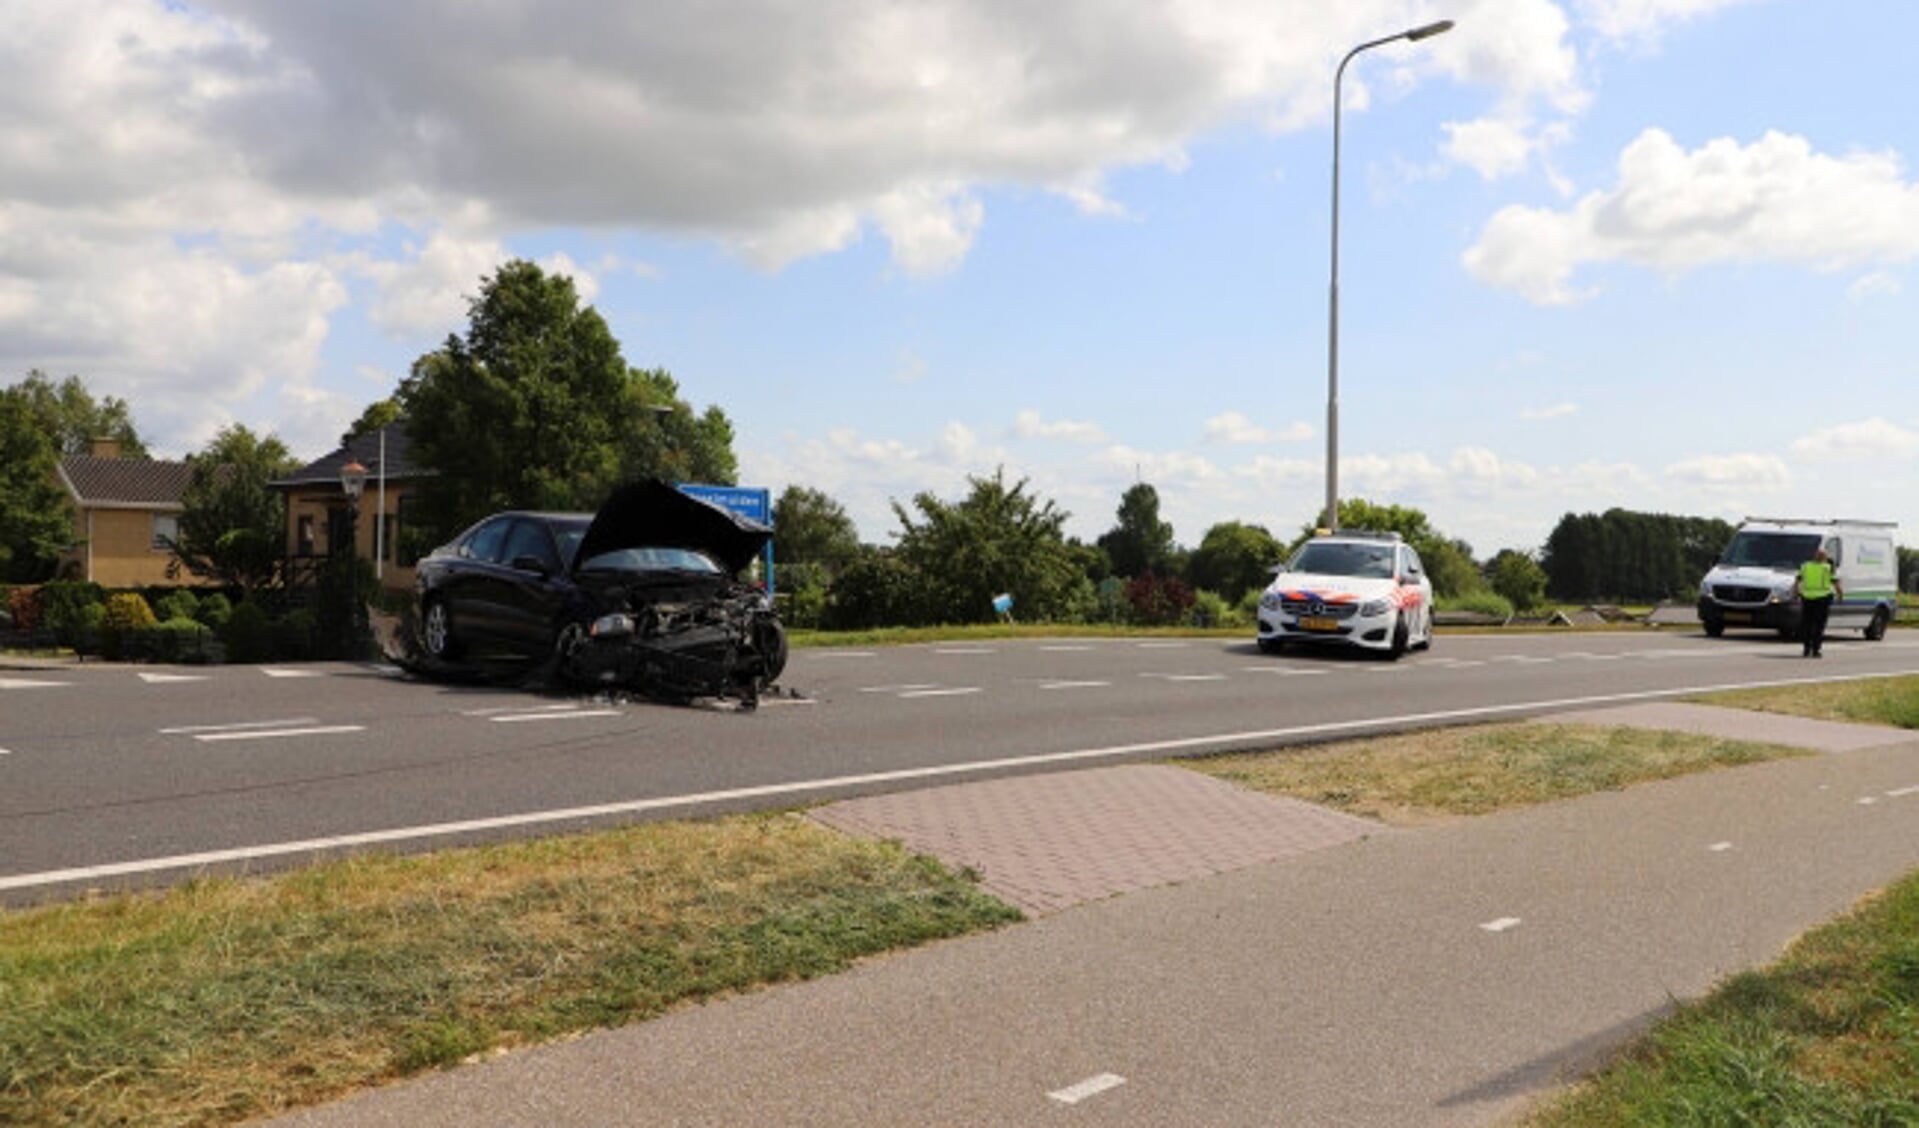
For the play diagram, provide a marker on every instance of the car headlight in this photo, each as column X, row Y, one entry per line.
column 611, row 626
column 1374, row 607
column 1270, row 601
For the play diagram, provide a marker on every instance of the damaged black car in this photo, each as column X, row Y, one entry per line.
column 644, row 595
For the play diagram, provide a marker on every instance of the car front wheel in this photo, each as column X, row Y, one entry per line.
column 436, row 631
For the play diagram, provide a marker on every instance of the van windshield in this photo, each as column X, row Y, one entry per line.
column 1770, row 550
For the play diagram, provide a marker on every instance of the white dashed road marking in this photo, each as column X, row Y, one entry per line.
column 279, row 672
column 964, row 650
column 1868, row 800
column 498, row 709
column 28, row 683
column 241, row 726
column 897, row 688
column 163, row 679
column 1186, row 677
column 1063, row 649
column 958, row 692
column 1091, row 1087
column 1720, row 847
column 1164, row 645
column 268, row 734
column 1501, row 925
column 1902, row 792
column 1074, row 684
column 554, row 715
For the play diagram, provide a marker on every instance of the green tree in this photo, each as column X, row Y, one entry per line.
column 36, row 516
column 1449, row 561
column 1140, row 542
column 1232, row 559
column 811, row 528
column 233, row 527
column 1909, row 569
column 378, row 414
column 525, row 411
column 999, row 539
column 661, row 436
column 1519, row 578
column 1621, row 554
column 73, row 418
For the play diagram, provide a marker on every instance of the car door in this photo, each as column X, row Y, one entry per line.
column 470, row 580
column 532, row 587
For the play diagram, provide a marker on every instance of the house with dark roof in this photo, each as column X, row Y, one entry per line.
column 125, row 510
column 317, row 509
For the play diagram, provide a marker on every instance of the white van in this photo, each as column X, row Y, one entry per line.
column 1751, row 586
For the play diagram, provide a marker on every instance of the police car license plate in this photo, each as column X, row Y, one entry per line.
column 1317, row 623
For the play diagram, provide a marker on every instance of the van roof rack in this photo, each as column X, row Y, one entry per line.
column 1824, row 521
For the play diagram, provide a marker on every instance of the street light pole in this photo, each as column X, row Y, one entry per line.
column 1411, row 35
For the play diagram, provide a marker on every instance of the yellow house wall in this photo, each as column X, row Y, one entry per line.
column 119, row 549
column 316, row 503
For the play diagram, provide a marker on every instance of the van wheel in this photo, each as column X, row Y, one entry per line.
column 1876, row 629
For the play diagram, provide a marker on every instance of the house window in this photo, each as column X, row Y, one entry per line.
column 303, row 538
column 166, row 527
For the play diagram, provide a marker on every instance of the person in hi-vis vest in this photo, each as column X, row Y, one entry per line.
column 1816, row 588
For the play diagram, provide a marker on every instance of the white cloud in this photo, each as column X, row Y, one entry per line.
column 1235, row 427
column 427, row 293
column 1029, row 425
column 1553, row 411
column 1872, row 439
column 1491, row 147
column 1763, row 473
column 1775, row 200
column 1878, row 284
column 1645, row 20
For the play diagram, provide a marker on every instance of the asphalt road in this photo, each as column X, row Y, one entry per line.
column 114, row 775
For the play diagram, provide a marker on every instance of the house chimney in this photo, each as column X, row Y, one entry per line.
column 103, row 447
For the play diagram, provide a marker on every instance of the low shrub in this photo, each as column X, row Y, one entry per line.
column 248, row 634
column 295, row 634
column 64, row 608
column 214, row 611
column 175, row 640
column 124, row 613
column 1482, row 602
column 24, row 605
column 1210, row 609
column 179, row 603
column 1158, row 601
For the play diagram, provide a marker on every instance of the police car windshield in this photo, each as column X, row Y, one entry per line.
column 1770, row 550
column 1368, row 561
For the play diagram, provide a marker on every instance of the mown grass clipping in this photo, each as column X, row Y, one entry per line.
column 226, row 1000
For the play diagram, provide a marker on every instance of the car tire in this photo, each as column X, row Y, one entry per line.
column 565, row 641
column 1271, row 645
column 1876, row 630
column 1401, row 637
column 436, row 631
column 1426, row 640
column 770, row 639
column 1714, row 627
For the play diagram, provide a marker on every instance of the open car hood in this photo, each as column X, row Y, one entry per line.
column 651, row 514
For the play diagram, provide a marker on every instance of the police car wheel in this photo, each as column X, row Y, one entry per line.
column 1271, row 645
column 1401, row 636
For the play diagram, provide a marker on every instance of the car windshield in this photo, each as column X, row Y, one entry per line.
column 651, row 560
column 1770, row 550
column 1333, row 558
column 568, row 534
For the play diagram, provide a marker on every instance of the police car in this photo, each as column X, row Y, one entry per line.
column 1367, row 590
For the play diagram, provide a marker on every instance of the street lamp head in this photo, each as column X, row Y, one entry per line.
column 353, row 479
column 1428, row 31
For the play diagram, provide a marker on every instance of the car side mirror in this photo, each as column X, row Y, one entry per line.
column 530, row 564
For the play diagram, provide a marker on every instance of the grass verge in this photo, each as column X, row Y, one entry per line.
column 1421, row 777
column 1880, row 701
column 1828, row 1035
column 226, row 1000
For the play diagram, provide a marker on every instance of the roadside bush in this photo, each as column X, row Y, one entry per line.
column 1482, row 602
column 64, row 608
column 248, row 633
column 176, row 604
column 174, row 640
column 295, row 634
column 124, row 613
column 1210, row 609
column 214, row 611
column 802, row 595
column 877, row 590
column 24, row 605
column 1157, row 601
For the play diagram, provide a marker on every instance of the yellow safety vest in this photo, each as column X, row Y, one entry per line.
column 1815, row 579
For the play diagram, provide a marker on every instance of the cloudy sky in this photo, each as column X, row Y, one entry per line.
column 1656, row 254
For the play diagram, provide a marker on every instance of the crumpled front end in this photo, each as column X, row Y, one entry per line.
column 679, row 644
